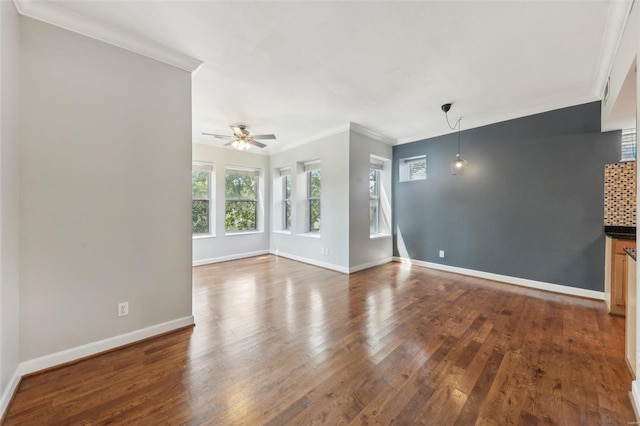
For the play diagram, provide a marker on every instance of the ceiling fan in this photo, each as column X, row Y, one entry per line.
column 242, row 139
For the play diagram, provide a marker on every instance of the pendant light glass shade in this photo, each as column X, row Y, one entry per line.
column 458, row 166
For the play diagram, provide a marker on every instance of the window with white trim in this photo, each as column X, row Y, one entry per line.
column 413, row 168
column 201, row 211
column 285, row 174
column 314, row 186
column 241, row 199
column 374, row 196
column 628, row 145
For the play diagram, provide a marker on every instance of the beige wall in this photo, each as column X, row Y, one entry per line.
column 344, row 242
column 9, row 288
column 365, row 251
column 105, row 166
column 333, row 153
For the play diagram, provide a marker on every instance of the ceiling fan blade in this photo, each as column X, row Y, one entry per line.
column 230, row 142
column 217, row 136
column 256, row 143
column 263, row 136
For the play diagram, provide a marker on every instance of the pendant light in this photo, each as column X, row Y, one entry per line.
column 458, row 166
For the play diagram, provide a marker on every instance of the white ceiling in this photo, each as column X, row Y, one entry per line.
column 300, row 69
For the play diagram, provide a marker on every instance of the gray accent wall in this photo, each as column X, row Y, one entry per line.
column 530, row 205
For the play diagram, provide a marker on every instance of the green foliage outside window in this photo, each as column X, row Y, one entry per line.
column 287, row 201
column 200, row 216
column 314, row 178
column 241, row 202
column 200, row 202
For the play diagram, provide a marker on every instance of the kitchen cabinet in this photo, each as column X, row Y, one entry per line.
column 616, row 274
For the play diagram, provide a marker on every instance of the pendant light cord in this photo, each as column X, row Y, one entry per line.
column 458, row 125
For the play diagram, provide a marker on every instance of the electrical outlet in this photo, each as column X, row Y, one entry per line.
column 123, row 309
column 441, row 253
column 326, row 252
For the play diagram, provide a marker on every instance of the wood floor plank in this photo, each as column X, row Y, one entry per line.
column 280, row 342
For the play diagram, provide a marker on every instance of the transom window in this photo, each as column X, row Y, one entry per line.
column 413, row 168
column 628, row 145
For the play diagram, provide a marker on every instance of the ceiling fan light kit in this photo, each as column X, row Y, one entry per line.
column 241, row 145
column 458, row 165
column 242, row 139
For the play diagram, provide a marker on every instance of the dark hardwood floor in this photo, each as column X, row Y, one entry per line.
column 277, row 341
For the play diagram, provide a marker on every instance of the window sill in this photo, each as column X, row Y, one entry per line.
column 309, row 235
column 411, row 180
column 233, row 234
column 379, row 236
column 282, row 232
column 202, row 236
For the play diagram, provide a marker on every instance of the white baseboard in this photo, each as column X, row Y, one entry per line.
column 11, row 388
column 370, row 264
column 325, row 265
column 72, row 354
column 523, row 282
column 230, row 257
column 635, row 398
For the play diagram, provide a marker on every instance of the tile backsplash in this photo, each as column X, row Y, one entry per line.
column 620, row 194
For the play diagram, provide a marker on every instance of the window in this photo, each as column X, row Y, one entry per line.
column 201, row 198
column 286, row 198
column 413, row 168
column 241, row 199
column 628, row 145
column 374, row 196
column 312, row 170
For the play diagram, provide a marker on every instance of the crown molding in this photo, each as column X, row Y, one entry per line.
column 90, row 27
column 511, row 115
column 310, row 139
column 619, row 11
column 355, row 127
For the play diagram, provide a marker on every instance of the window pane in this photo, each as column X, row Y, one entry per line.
column 243, row 187
column 314, row 215
column 200, row 216
column 373, row 182
column 200, row 185
column 417, row 170
column 240, row 215
column 287, row 214
column 287, row 187
column 628, row 145
column 314, row 183
column 373, row 216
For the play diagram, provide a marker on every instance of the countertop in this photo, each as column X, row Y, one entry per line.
column 631, row 252
column 620, row 232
